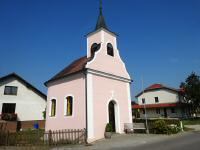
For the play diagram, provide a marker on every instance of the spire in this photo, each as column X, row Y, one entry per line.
column 101, row 21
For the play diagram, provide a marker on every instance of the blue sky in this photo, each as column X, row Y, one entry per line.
column 158, row 39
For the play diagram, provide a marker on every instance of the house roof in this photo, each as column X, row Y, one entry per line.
column 75, row 67
column 28, row 85
column 137, row 106
column 157, row 86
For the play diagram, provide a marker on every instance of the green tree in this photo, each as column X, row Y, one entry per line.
column 191, row 91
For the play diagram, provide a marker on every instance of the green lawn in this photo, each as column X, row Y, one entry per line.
column 194, row 121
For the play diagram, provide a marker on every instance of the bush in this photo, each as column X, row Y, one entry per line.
column 161, row 127
column 108, row 127
column 9, row 116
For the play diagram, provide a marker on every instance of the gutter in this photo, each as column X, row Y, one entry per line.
column 86, row 111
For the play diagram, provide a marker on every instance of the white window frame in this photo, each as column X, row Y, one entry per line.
column 50, row 107
column 65, row 105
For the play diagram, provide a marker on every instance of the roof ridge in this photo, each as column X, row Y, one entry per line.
column 24, row 81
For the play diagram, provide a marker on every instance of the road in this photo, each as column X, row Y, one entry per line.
column 182, row 141
column 189, row 141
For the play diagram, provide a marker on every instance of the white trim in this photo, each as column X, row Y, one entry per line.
column 129, row 103
column 111, row 76
column 50, row 107
column 95, row 55
column 65, row 106
column 90, row 112
column 88, row 49
column 101, row 29
column 117, row 114
column 102, row 37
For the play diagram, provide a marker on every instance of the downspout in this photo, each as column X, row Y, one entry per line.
column 86, row 111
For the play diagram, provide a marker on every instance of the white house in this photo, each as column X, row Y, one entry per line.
column 17, row 96
column 160, row 101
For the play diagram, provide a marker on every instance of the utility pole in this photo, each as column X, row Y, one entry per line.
column 145, row 111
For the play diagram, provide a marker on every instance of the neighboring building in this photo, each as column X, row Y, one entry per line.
column 160, row 101
column 93, row 90
column 19, row 97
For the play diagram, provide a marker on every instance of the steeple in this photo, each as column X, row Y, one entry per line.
column 101, row 21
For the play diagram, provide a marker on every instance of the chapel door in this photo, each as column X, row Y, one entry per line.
column 111, row 109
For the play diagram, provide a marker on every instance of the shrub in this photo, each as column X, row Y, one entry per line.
column 9, row 117
column 161, row 127
column 108, row 127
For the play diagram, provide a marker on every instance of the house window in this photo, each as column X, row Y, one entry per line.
column 157, row 110
column 173, row 110
column 69, row 104
column 10, row 90
column 8, row 108
column 143, row 100
column 110, row 49
column 53, row 108
column 156, row 100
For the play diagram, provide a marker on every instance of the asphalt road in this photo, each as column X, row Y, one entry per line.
column 189, row 141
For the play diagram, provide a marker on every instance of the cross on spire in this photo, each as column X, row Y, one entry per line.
column 100, row 6
column 101, row 21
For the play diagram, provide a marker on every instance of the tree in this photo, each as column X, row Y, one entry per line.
column 191, row 91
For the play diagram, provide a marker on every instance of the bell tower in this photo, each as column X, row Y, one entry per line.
column 101, row 37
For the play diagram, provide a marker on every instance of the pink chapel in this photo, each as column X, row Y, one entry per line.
column 93, row 90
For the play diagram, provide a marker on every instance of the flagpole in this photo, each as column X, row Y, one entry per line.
column 145, row 111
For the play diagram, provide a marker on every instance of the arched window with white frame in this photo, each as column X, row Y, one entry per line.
column 68, row 106
column 53, row 108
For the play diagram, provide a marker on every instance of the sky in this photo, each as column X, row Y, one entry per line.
column 159, row 40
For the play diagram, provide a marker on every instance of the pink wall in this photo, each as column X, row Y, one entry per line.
column 102, row 61
column 60, row 89
column 104, row 90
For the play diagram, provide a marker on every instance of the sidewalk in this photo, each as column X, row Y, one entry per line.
column 195, row 127
column 119, row 141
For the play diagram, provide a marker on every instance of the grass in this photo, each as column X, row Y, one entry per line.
column 27, row 137
column 188, row 129
column 193, row 121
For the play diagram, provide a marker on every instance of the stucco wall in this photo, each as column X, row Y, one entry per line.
column 102, row 61
column 71, row 86
column 164, row 96
column 105, row 90
column 151, row 113
column 29, row 105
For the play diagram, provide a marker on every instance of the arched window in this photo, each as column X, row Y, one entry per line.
column 53, row 107
column 69, row 106
column 95, row 47
column 110, row 49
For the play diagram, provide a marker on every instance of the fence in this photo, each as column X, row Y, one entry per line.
column 76, row 136
column 40, row 137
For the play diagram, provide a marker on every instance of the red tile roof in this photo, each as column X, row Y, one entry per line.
column 157, row 86
column 75, row 67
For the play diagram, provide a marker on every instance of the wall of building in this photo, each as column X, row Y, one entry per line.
column 151, row 113
column 164, row 96
column 29, row 105
column 102, row 61
column 105, row 90
column 70, row 86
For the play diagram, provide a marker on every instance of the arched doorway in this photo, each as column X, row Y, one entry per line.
column 111, row 111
